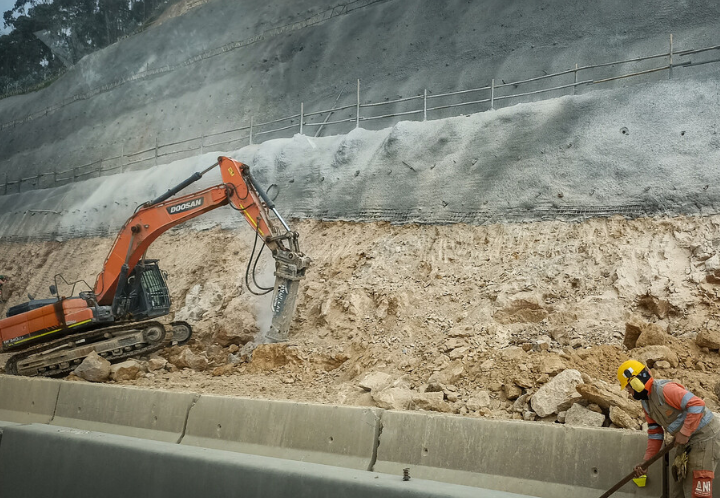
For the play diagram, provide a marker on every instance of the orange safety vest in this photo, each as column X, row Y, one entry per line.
column 670, row 418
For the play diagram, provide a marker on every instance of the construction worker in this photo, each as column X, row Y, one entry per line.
column 3, row 279
column 670, row 407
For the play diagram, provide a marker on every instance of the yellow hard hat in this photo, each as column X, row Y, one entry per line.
column 629, row 370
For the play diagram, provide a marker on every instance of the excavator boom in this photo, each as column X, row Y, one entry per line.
column 243, row 194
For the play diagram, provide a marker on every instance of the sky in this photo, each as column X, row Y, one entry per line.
column 5, row 5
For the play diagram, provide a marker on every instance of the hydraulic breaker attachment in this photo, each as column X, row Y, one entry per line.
column 289, row 269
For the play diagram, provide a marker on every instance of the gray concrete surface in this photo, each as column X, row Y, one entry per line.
column 343, row 436
column 87, row 464
column 156, row 415
column 227, row 60
column 549, row 459
column 545, row 460
column 26, row 401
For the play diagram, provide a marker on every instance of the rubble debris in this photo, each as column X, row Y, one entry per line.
column 417, row 304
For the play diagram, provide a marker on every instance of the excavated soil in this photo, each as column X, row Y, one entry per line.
column 484, row 312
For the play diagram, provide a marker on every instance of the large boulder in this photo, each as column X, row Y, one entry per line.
column 639, row 334
column 632, row 332
column 127, row 370
column 156, row 363
column 187, row 359
column 649, row 355
column 94, row 368
column 478, row 401
column 431, row 402
column 606, row 396
column 448, row 375
column 580, row 416
column 558, row 394
column 708, row 339
column 402, row 398
column 552, row 365
column 621, row 418
column 652, row 335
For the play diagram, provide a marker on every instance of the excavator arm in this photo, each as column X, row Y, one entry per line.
column 241, row 192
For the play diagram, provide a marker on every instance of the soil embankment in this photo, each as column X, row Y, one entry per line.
column 473, row 320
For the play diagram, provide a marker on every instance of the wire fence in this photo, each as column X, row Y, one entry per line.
column 423, row 107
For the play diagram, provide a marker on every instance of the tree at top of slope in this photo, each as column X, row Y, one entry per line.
column 48, row 35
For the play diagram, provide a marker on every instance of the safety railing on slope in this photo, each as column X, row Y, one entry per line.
column 478, row 99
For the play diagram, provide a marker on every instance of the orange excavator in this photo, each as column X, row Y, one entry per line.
column 117, row 318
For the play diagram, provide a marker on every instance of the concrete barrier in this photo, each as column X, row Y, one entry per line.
column 41, row 461
column 157, row 415
column 334, row 435
column 550, row 459
column 26, row 400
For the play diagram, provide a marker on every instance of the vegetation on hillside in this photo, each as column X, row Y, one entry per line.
column 49, row 35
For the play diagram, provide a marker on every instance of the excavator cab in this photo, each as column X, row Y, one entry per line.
column 145, row 294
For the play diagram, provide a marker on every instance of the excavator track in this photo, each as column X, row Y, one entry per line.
column 63, row 355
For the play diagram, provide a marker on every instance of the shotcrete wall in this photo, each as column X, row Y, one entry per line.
column 646, row 149
column 225, row 61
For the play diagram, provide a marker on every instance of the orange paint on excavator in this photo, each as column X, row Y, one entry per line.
column 132, row 290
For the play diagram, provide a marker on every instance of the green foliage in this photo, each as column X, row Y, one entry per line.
column 48, row 35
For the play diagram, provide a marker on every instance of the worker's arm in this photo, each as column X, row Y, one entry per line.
column 656, row 435
column 692, row 407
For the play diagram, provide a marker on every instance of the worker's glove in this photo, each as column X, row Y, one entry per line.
column 679, row 466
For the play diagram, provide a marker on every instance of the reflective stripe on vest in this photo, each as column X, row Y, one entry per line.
column 669, row 417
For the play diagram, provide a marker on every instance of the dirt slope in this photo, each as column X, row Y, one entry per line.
column 481, row 311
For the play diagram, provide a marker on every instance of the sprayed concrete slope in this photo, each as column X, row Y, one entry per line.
column 565, row 158
column 174, row 81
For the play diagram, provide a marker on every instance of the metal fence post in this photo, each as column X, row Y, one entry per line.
column 671, row 58
column 156, row 150
column 202, row 140
column 492, row 94
column 251, row 129
column 122, row 155
column 100, row 170
column 357, row 111
column 575, row 82
column 302, row 115
column 74, row 170
column 425, row 105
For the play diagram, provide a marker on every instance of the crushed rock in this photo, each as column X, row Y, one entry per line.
column 420, row 303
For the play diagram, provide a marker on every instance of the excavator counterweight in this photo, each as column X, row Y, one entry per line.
column 117, row 318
